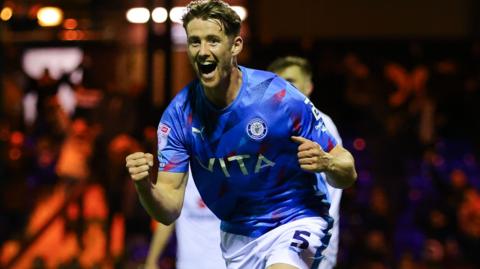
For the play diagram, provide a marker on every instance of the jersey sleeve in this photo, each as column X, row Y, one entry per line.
column 308, row 123
column 172, row 151
column 331, row 127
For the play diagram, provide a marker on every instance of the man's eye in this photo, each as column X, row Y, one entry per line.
column 194, row 42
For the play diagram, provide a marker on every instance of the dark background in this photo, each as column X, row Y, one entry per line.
column 400, row 79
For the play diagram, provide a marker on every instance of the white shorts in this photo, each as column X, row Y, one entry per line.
column 298, row 243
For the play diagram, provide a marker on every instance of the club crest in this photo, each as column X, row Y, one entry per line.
column 162, row 134
column 257, row 128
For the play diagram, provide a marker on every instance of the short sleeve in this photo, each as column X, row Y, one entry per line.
column 308, row 123
column 172, row 151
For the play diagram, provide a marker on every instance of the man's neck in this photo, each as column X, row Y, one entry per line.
column 226, row 92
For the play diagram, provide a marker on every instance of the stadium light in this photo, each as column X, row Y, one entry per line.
column 138, row 15
column 176, row 14
column 49, row 16
column 159, row 15
column 241, row 11
column 6, row 13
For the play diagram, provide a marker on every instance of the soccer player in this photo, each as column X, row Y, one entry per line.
column 197, row 232
column 254, row 144
column 298, row 71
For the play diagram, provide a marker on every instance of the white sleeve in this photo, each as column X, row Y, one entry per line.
column 331, row 127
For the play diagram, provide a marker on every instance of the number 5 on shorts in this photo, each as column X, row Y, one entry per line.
column 301, row 239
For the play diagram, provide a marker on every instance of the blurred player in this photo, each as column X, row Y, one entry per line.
column 298, row 71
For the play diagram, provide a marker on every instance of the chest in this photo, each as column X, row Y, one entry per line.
column 245, row 131
column 241, row 142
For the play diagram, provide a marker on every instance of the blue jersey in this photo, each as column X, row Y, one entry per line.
column 242, row 158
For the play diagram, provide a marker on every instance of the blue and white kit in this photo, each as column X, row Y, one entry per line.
column 242, row 158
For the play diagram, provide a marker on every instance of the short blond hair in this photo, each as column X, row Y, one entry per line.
column 282, row 63
column 214, row 9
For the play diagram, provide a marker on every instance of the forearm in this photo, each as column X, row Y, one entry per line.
column 163, row 201
column 164, row 205
column 341, row 171
column 159, row 241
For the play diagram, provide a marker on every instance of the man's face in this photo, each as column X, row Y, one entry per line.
column 210, row 51
column 294, row 75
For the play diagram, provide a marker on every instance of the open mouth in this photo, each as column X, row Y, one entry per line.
column 206, row 68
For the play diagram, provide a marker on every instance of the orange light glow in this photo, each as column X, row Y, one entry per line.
column 14, row 154
column 17, row 138
column 6, row 13
column 33, row 11
column 72, row 35
column 70, row 24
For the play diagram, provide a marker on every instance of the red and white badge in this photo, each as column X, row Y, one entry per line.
column 163, row 129
column 162, row 133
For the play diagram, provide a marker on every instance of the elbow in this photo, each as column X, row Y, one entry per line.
column 342, row 171
column 166, row 222
column 354, row 177
column 343, row 182
column 167, row 218
column 351, row 179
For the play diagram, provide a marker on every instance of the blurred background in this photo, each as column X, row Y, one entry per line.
column 84, row 82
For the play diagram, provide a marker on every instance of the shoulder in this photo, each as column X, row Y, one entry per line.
column 256, row 75
column 180, row 108
column 273, row 85
column 325, row 117
column 182, row 101
column 261, row 78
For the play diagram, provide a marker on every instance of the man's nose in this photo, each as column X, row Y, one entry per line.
column 204, row 50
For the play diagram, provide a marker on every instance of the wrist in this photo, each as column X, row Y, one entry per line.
column 143, row 184
column 330, row 167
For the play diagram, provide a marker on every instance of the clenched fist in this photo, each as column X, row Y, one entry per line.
column 311, row 156
column 139, row 164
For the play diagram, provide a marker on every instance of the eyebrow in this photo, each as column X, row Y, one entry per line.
column 208, row 37
column 213, row 37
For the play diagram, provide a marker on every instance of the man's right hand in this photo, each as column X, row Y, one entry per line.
column 139, row 164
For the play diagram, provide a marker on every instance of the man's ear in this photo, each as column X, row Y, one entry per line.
column 308, row 88
column 237, row 45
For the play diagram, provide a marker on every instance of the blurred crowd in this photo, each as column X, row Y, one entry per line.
column 63, row 172
column 408, row 112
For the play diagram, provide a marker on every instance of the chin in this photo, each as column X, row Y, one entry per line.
column 209, row 84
